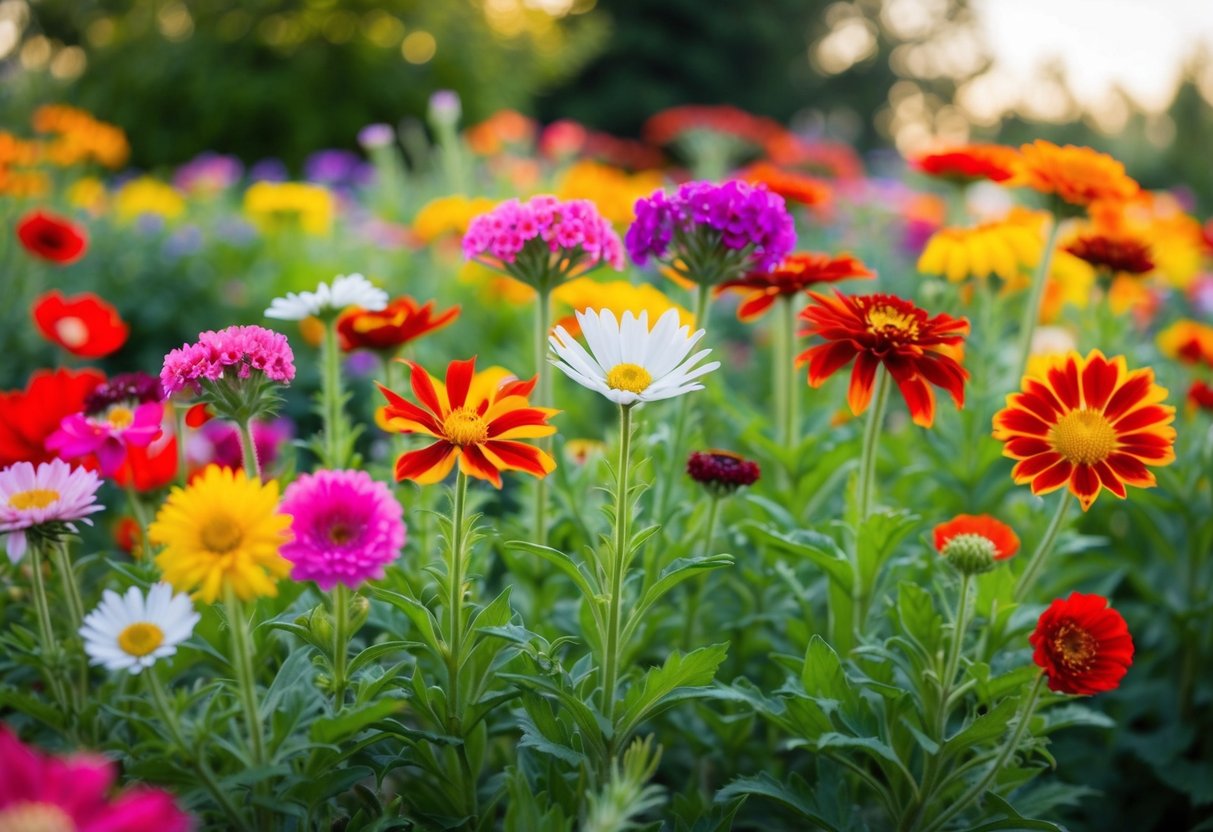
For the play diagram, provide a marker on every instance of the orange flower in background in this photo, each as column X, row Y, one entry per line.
column 79, row 137
column 969, row 163
column 873, row 330
column 1119, row 253
column 23, row 184
column 401, row 321
column 52, row 237
column 999, row 534
column 797, row 273
column 476, row 419
column 84, row 324
column 501, row 130
column 1076, row 175
column 793, row 187
column 1188, row 341
column 29, row 416
column 1089, row 424
column 613, row 191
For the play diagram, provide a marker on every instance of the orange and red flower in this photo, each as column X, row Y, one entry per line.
column 969, row 163
column 1089, row 423
column 1001, row 536
column 1076, row 175
column 476, row 419
column 401, row 321
column 794, row 275
column 84, row 324
column 52, row 237
column 792, row 186
column 1120, row 253
column 871, row 330
column 29, row 416
column 1200, row 395
column 1187, row 341
column 1083, row 645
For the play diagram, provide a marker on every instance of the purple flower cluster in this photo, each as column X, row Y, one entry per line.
column 208, row 172
column 135, row 387
column 572, row 228
column 237, row 349
column 747, row 218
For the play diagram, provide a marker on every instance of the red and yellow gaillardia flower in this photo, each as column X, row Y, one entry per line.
column 1088, row 423
column 873, row 330
column 403, row 320
column 1075, row 175
column 1082, row 645
column 476, row 419
column 797, row 273
column 969, row 163
column 1187, row 341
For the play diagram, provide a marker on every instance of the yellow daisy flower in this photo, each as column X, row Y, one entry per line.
column 1006, row 248
column 146, row 195
column 276, row 205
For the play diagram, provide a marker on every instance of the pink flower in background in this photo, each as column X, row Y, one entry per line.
column 218, row 443
column 108, row 434
column 43, row 501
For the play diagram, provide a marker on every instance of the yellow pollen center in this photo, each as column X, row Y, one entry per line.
column 140, row 638
column 630, row 377
column 35, row 817
column 1075, row 646
column 465, row 426
column 72, row 331
column 120, row 417
column 221, row 535
column 886, row 318
column 1083, row 437
column 34, row 498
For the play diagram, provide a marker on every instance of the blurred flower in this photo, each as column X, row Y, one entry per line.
column 562, row 139
column 581, row 451
column 612, row 190
column 1075, row 175
column 84, row 324
column 109, row 434
column 476, row 419
column 503, row 130
column 449, row 215
column 29, row 416
column 44, row 502
column 128, row 536
column 276, row 206
column 131, row 632
column 143, row 196
column 17, row 151
column 269, row 170
column 873, row 330
column 218, row 443
column 795, row 274
column 722, row 472
column 1089, row 422
column 584, row 293
column 376, row 135
column 1006, row 248
column 1048, row 342
column 1188, row 341
column 51, row 237
column 1119, row 253
column 41, row 793
column 234, row 353
column 628, row 363
column 674, row 123
column 346, row 527
column 1082, row 645
column 80, row 138
column 1200, row 395
column 793, row 187
column 346, row 291
column 974, row 543
column 1158, row 223
column 400, row 322
column 208, row 173
column 969, row 163
column 23, row 184
column 445, row 107
column 223, row 532
column 89, row 194
column 338, row 169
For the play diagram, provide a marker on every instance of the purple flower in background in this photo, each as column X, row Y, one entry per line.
column 268, row 170
column 218, row 442
column 710, row 233
column 338, row 168
column 208, row 173
column 185, row 240
column 445, row 107
column 376, row 135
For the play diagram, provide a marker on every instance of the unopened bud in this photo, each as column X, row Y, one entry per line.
column 970, row 554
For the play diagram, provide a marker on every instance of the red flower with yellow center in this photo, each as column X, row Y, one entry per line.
column 1088, row 422
column 794, row 275
column 1077, row 175
column 792, row 186
column 476, row 419
column 1083, row 646
column 401, row 321
column 1118, row 253
column 52, row 237
column 873, row 330
column 84, row 324
column 1001, row 536
column 969, row 163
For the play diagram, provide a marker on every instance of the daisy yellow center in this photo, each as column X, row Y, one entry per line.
column 34, row 498
column 140, row 638
column 630, row 377
column 1083, row 437
column 72, row 331
column 1075, row 646
column 465, row 426
column 887, row 319
column 120, row 417
column 35, row 817
column 220, row 534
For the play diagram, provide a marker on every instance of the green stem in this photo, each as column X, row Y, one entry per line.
column 787, row 363
column 778, row 378
column 242, row 655
column 543, row 308
column 1028, row 578
column 454, row 607
column 252, row 468
column 67, row 575
column 618, row 567
column 46, row 630
column 140, row 514
column 866, row 486
column 333, row 438
column 703, row 308
column 697, row 586
column 956, row 647
column 341, row 638
column 1031, row 310
column 179, row 425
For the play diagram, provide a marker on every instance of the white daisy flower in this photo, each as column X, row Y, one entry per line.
column 629, row 363
column 347, row 290
column 130, row 632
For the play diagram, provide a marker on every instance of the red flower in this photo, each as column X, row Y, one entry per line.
column 1006, row 542
column 1083, row 646
column 872, row 330
column 1119, row 253
column 792, row 186
column 969, row 163
column 84, row 324
column 29, row 416
column 402, row 321
column 794, row 275
column 1200, row 394
column 52, row 237
column 149, row 468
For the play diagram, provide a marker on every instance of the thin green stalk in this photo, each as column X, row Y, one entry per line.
column 866, row 487
column 543, row 308
column 341, row 639
column 698, row 583
column 46, row 630
column 252, row 467
column 1028, row 578
column 71, row 591
column 331, row 394
column 615, row 576
column 703, row 308
column 140, row 513
column 787, row 363
column 242, row 655
column 179, row 426
column 779, row 385
column 1031, row 310
column 958, row 635
column 454, row 606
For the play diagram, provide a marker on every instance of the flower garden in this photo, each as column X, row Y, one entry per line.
column 536, row 479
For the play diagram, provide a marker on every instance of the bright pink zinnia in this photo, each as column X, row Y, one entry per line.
column 234, row 352
column 347, row 527
column 42, row 792
column 108, row 434
column 43, row 500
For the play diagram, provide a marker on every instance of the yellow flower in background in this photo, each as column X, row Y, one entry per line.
column 88, row 193
column 581, row 451
column 277, row 206
column 1048, row 344
column 449, row 215
column 494, row 285
column 1188, row 341
column 222, row 531
column 614, row 191
column 619, row 296
column 1071, row 283
column 1006, row 248
column 146, row 195
column 1174, row 237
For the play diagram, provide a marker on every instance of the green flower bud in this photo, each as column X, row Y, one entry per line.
column 360, row 608
column 970, row 554
column 321, row 625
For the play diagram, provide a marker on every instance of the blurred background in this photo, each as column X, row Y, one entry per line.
column 282, row 78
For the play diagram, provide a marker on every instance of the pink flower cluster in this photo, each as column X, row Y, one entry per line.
column 572, row 228
column 237, row 349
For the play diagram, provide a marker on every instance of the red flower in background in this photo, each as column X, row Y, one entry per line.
column 52, row 237
column 29, row 416
column 84, row 324
column 794, row 275
column 402, row 321
column 1083, row 646
column 1200, row 395
column 969, row 163
column 792, row 186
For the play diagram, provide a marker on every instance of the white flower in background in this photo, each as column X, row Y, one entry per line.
column 130, row 632
column 629, row 363
column 347, row 290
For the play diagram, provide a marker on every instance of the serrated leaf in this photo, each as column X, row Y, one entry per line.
column 680, row 670
column 795, row 797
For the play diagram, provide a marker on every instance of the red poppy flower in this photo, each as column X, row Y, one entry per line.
column 1119, row 253
column 29, row 416
column 794, row 275
column 1083, row 646
column 389, row 329
column 969, row 163
column 84, row 324
column 871, row 330
column 1002, row 536
column 52, row 237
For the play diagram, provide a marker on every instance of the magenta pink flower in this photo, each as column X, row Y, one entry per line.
column 232, row 353
column 108, row 434
column 347, row 527
column 39, row 791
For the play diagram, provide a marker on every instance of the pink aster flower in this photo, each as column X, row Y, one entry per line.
column 236, row 371
column 108, row 434
column 346, row 527
column 44, row 502
column 41, row 792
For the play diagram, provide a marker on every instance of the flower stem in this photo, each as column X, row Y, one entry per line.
column 866, row 486
column 333, row 439
column 543, row 308
column 46, row 630
column 252, row 468
column 182, row 460
column 697, row 584
column 955, row 649
column 140, row 513
column 341, row 638
column 454, row 607
column 703, row 308
column 787, row 365
column 616, row 572
column 1043, row 548
column 1031, row 310
column 242, row 655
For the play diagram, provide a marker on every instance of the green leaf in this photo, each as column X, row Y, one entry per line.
column 823, row 676
column 988, row 727
column 417, row 612
column 347, row 723
column 584, row 580
column 693, row 669
column 795, row 796
column 815, row 547
column 377, row 651
column 1013, row 820
column 879, row 537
